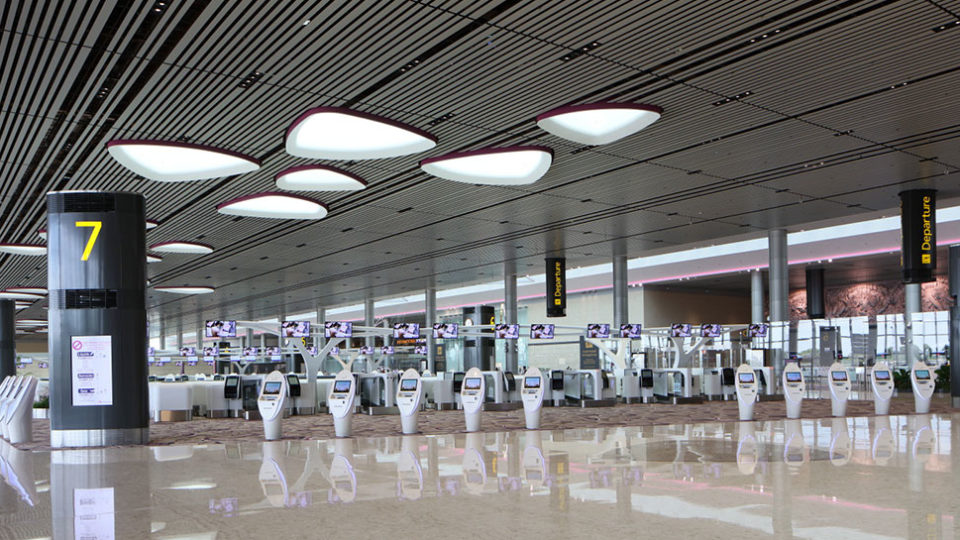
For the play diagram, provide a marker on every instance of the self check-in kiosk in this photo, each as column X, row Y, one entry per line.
column 793, row 388
column 532, row 396
column 231, row 392
column 340, row 401
column 409, row 393
column 746, row 385
column 839, row 389
column 556, row 387
column 881, row 379
column 272, row 400
column 18, row 417
column 923, row 380
column 7, row 403
column 471, row 396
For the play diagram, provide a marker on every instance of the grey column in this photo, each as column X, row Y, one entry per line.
column 369, row 318
column 779, row 286
column 430, row 317
column 163, row 334
column 911, row 306
column 510, row 362
column 621, row 296
column 320, row 340
column 954, row 270
column 8, row 332
column 756, row 297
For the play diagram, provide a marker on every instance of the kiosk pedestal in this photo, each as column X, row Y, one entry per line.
column 270, row 403
column 882, row 383
column 746, row 386
column 793, row 388
column 839, row 389
column 340, row 400
column 922, row 379
column 472, row 393
column 409, row 393
column 532, row 395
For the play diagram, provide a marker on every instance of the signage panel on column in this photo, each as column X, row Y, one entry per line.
column 918, row 232
column 556, row 287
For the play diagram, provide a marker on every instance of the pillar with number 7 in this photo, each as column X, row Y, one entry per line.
column 96, row 276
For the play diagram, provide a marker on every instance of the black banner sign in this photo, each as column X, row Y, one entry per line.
column 918, row 232
column 556, row 287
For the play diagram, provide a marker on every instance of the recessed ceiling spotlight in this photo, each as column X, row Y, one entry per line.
column 274, row 205
column 340, row 133
column 598, row 123
column 318, row 178
column 24, row 249
column 186, row 289
column 172, row 161
column 176, row 246
column 153, row 258
column 14, row 295
column 28, row 290
column 511, row 166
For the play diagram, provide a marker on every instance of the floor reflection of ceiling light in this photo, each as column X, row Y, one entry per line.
column 24, row 249
column 339, row 133
column 170, row 161
column 274, row 205
column 598, row 123
column 512, row 166
column 186, row 289
column 177, row 246
column 318, row 178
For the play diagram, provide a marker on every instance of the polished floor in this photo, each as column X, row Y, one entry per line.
column 850, row 478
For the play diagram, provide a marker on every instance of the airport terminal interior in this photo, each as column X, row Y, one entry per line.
column 479, row 269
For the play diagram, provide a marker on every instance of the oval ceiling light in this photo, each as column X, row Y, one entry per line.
column 153, row 258
column 14, row 295
column 176, row 246
column 512, row 166
column 170, row 161
column 28, row 290
column 42, row 233
column 23, row 249
column 339, row 133
column 186, row 289
column 598, row 123
column 152, row 224
column 318, row 178
column 271, row 204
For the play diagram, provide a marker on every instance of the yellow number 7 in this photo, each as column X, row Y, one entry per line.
column 93, row 235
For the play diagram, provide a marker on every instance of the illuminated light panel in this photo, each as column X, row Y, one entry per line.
column 271, row 204
column 27, row 290
column 42, row 233
column 176, row 246
column 339, row 133
column 153, row 258
column 9, row 294
column 318, row 178
column 151, row 224
column 24, row 249
column 169, row 161
column 598, row 123
column 31, row 322
column 512, row 166
column 186, row 289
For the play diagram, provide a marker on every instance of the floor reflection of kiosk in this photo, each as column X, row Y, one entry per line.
column 340, row 401
column 841, row 447
column 272, row 480
column 794, row 445
column 839, row 389
column 18, row 419
column 533, row 463
column 793, row 388
column 409, row 393
column 884, row 446
column 272, row 400
column 409, row 471
column 746, row 391
column 474, row 466
column 748, row 451
column 532, row 396
column 881, row 381
column 922, row 379
column 471, row 396
column 342, row 476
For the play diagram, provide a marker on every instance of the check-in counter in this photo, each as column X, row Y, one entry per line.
column 170, row 402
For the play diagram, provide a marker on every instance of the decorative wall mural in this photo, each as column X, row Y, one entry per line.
column 871, row 299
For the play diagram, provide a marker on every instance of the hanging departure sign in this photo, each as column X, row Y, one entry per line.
column 918, row 232
column 556, row 271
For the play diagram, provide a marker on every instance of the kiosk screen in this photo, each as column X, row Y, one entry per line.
column 446, row 330
column 531, row 382
column 598, row 331
column 746, row 377
column 406, row 331
column 541, row 331
column 272, row 387
column 838, row 375
column 923, row 374
column 472, row 383
column 408, row 385
column 631, row 331
column 341, row 386
column 339, row 329
column 882, row 375
column 230, row 387
column 794, row 376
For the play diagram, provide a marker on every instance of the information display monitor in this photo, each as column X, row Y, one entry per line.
column 923, row 374
column 710, row 330
column 680, row 330
column 746, row 377
column 758, row 330
column 386, row 350
column 630, row 331
column 420, row 349
column 221, row 329
column 506, row 331
column 188, row 351
column 446, row 330
column 531, row 382
column 272, row 387
column 408, row 385
column 882, row 375
column 601, row 331
column 472, row 383
column 251, row 351
column 794, row 376
column 295, row 329
column 341, row 387
column 838, row 375
column 337, row 329
column 406, row 330
column 541, row 331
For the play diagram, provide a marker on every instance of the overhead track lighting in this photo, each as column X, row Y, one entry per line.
column 340, row 133
column 271, row 204
column 318, row 178
column 512, row 166
column 174, row 161
column 598, row 123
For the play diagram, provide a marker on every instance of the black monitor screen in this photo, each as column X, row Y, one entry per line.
column 631, row 331
column 472, row 383
column 272, row 387
column 531, row 382
column 230, row 382
column 882, row 375
column 408, row 385
column 406, row 330
column 341, row 386
column 598, row 331
column 794, row 376
column 680, row 330
column 838, row 375
column 746, row 377
column 541, row 331
column 292, row 380
column 710, row 330
column 446, row 330
column 338, row 329
column 922, row 374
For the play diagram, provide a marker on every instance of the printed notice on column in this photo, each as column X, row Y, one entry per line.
column 92, row 370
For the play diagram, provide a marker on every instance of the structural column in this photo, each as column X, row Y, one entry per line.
column 8, row 332
column 320, row 340
column 911, row 306
column 756, row 296
column 779, row 288
column 510, row 313
column 955, row 326
column 816, row 304
column 368, row 320
column 621, row 297
column 429, row 318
